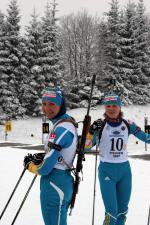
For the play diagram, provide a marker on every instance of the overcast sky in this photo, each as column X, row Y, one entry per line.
column 64, row 7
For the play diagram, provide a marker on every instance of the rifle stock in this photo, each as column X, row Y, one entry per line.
column 86, row 126
column 80, row 152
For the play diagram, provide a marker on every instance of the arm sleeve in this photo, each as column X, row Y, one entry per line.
column 64, row 138
column 137, row 132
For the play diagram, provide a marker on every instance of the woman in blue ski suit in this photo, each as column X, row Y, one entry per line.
column 56, row 183
column 114, row 169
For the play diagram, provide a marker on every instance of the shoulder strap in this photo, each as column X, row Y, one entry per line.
column 101, row 130
column 127, row 124
column 68, row 120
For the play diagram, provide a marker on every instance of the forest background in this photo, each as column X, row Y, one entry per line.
column 67, row 51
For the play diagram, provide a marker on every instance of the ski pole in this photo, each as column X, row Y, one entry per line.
column 95, row 173
column 148, row 217
column 23, row 201
column 12, row 193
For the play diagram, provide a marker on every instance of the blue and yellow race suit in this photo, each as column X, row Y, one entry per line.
column 114, row 169
column 56, row 182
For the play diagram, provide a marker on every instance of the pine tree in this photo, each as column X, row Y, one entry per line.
column 143, row 52
column 101, row 56
column 112, row 50
column 24, row 84
column 109, row 53
column 35, row 81
column 126, row 42
column 142, row 61
column 12, row 105
column 3, row 60
column 125, row 52
column 51, row 49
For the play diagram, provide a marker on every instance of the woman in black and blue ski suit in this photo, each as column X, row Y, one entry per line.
column 56, row 183
column 114, row 170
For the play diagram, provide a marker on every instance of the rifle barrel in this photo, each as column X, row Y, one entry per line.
column 90, row 99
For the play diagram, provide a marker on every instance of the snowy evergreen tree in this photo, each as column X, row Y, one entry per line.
column 35, row 80
column 112, row 50
column 12, row 105
column 108, row 55
column 103, row 80
column 24, row 84
column 125, row 52
column 126, row 42
column 143, row 50
column 134, row 51
column 142, row 61
column 3, row 61
column 51, row 59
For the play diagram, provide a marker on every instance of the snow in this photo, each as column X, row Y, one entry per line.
column 11, row 159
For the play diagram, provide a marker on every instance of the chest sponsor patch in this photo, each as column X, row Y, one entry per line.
column 116, row 132
column 123, row 128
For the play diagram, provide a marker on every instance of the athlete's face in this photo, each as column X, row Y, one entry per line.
column 50, row 109
column 112, row 111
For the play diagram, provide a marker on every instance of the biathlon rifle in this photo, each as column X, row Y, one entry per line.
column 80, row 150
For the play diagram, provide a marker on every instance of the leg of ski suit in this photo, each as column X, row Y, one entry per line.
column 56, row 193
column 115, row 185
column 123, row 196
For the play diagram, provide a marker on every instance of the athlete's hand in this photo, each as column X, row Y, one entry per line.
column 27, row 160
column 37, row 158
column 97, row 124
column 33, row 168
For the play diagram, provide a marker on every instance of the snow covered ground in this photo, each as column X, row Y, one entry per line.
column 11, row 167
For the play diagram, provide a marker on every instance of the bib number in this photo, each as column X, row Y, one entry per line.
column 116, row 144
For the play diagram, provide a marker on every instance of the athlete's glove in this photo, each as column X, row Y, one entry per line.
column 37, row 158
column 33, row 162
column 33, row 168
column 27, row 160
column 97, row 124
